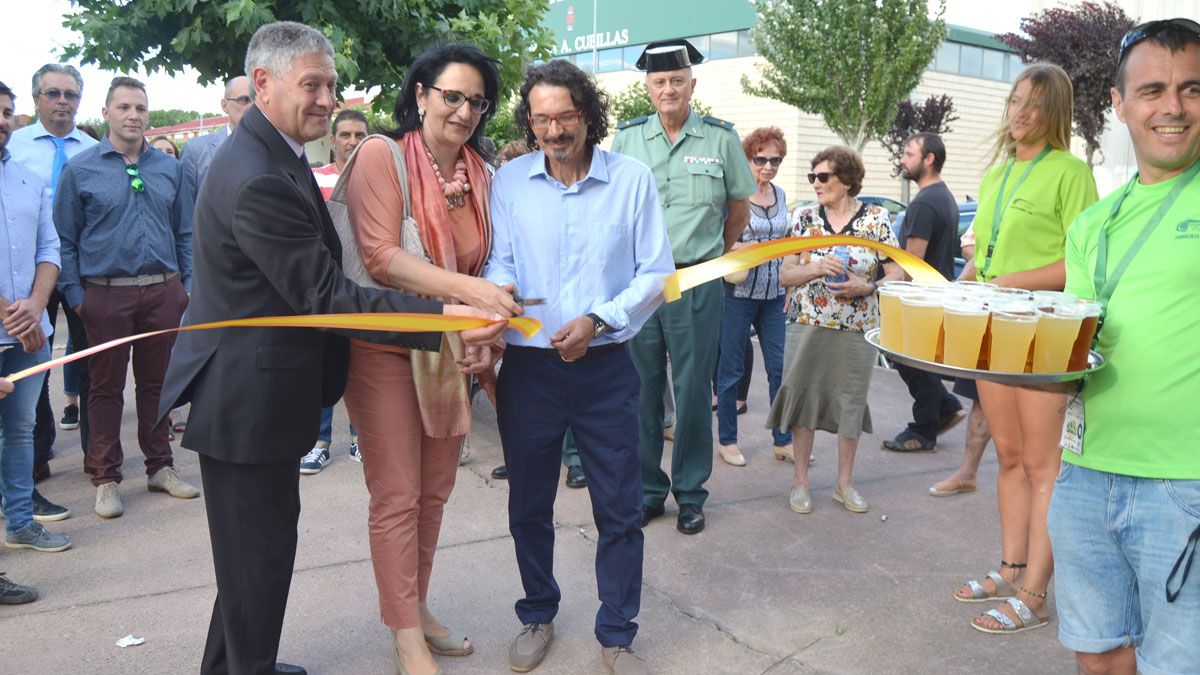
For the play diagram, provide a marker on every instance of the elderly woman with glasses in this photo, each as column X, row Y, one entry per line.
column 412, row 409
column 755, row 300
column 831, row 304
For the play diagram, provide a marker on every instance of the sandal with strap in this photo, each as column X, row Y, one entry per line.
column 1003, row 588
column 453, row 644
column 1029, row 620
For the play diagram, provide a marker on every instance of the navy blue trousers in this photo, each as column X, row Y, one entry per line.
column 538, row 396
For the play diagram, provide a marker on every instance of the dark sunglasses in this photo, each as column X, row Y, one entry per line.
column 455, row 99
column 762, row 161
column 55, row 94
column 1152, row 28
column 135, row 181
column 824, row 177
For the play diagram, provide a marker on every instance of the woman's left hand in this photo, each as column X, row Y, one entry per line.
column 856, row 286
column 475, row 360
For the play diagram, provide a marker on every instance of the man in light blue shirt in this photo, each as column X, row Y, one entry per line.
column 28, row 269
column 45, row 147
column 579, row 231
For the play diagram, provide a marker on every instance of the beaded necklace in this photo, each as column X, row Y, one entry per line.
column 457, row 188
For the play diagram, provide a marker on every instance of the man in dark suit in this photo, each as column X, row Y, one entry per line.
column 264, row 245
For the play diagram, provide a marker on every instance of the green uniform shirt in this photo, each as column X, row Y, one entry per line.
column 697, row 177
column 1033, row 229
column 1139, row 408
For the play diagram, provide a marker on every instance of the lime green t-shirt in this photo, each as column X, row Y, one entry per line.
column 1033, row 228
column 1140, row 408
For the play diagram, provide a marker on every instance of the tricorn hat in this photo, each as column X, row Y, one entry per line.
column 669, row 55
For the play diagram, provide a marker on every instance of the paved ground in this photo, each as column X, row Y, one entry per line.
column 761, row 590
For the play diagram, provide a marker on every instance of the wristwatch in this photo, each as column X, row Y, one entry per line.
column 599, row 327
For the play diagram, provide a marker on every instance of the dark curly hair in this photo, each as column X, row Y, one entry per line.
column 584, row 94
column 847, row 166
column 428, row 68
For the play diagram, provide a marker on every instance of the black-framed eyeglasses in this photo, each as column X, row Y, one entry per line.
column 240, row 100
column 135, row 181
column 823, row 176
column 1152, row 28
column 455, row 99
column 759, row 160
column 55, row 94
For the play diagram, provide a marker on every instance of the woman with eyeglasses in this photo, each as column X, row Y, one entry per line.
column 1027, row 199
column 756, row 300
column 413, row 409
column 831, row 304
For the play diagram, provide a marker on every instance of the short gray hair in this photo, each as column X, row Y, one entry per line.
column 276, row 46
column 55, row 68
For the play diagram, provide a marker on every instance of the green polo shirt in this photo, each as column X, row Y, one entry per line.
column 1034, row 226
column 1139, row 409
column 697, row 176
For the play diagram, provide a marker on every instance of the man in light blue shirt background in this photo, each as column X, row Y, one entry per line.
column 45, row 147
column 29, row 265
column 582, row 231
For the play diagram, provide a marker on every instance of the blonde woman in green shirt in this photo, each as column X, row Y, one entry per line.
column 1027, row 200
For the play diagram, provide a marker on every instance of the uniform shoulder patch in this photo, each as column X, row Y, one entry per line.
column 717, row 122
column 625, row 124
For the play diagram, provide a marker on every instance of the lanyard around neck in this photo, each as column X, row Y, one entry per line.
column 1002, row 204
column 1105, row 286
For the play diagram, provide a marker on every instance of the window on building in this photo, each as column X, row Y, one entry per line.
column 1014, row 67
column 993, row 64
column 631, row 53
column 700, row 42
column 745, row 43
column 609, row 60
column 970, row 62
column 945, row 59
column 584, row 61
column 723, row 45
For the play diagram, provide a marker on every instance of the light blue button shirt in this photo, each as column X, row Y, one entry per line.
column 33, row 146
column 27, row 235
column 599, row 246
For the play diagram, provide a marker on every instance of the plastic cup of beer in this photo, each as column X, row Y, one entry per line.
column 921, row 313
column 891, row 325
column 1013, row 327
column 1054, row 340
column 1046, row 300
column 965, row 323
column 973, row 288
column 1087, row 332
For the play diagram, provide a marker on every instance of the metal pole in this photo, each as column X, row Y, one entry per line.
column 595, row 38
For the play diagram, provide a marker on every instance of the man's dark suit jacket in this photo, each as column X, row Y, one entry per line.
column 264, row 245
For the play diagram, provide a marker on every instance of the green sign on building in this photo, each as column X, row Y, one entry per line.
column 586, row 25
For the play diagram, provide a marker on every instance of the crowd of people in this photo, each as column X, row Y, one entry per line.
column 130, row 236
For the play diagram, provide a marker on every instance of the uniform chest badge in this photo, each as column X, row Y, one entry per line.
column 692, row 159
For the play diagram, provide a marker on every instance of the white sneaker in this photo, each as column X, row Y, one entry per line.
column 314, row 461
column 355, row 453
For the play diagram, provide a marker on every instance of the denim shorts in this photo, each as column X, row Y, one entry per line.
column 1116, row 539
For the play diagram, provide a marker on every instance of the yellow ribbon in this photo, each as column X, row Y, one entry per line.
column 392, row 322
column 757, row 254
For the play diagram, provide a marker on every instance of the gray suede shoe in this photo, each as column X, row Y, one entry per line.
column 530, row 647
column 622, row 661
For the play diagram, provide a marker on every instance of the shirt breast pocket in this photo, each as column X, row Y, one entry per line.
column 706, row 182
column 611, row 245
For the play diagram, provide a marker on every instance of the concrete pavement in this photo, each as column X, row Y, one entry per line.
column 760, row 590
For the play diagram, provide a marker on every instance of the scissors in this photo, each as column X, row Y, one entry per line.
column 527, row 302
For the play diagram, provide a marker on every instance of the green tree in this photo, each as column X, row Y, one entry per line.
column 373, row 40
column 502, row 127
column 634, row 101
column 849, row 61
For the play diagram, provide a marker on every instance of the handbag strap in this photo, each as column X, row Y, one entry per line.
column 339, row 190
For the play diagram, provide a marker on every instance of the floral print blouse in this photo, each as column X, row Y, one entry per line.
column 813, row 303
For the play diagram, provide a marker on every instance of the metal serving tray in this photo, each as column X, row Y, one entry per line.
column 1095, row 362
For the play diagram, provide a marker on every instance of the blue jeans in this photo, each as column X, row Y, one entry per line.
column 17, row 415
column 767, row 318
column 326, row 433
column 1115, row 541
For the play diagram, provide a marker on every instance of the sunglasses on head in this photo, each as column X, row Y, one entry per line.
column 824, row 177
column 135, row 181
column 762, row 161
column 1152, row 28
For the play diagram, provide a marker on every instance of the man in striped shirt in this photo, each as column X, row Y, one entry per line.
column 349, row 129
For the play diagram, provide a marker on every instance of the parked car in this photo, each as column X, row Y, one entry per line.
column 966, row 216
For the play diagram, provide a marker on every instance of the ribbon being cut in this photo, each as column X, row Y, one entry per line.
column 674, row 285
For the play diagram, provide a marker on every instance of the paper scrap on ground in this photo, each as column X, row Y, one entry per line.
column 130, row 641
